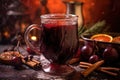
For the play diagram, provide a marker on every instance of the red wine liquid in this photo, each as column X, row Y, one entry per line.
column 59, row 42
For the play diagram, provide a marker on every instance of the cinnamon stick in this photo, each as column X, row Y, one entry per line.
column 35, row 61
column 85, row 63
column 111, row 68
column 107, row 70
column 73, row 60
column 84, row 66
column 31, row 62
column 86, row 72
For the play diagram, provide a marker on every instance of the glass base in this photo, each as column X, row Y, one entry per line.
column 56, row 69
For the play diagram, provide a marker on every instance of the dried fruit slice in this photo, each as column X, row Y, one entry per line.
column 116, row 39
column 10, row 58
column 102, row 37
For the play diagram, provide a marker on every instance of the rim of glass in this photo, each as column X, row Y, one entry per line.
column 58, row 16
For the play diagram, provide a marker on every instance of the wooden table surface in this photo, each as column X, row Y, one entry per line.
column 8, row 72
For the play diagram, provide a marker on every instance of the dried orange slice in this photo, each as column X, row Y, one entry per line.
column 10, row 57
column 102, row 37
column 116, row 39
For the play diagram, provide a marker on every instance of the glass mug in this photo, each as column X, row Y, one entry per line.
column 58, row 41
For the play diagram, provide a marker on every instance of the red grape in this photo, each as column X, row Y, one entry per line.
column 110, row 54
column 94, row 58
column 86, row 51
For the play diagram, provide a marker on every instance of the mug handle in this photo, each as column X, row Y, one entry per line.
column 26, row 38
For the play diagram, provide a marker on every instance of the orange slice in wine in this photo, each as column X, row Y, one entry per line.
column 102, row 37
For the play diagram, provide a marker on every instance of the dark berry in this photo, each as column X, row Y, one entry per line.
column 93, row 59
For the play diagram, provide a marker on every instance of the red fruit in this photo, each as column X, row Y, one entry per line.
column 110, row 54
column 93, row 58
column 86, row 51
column 30, row 51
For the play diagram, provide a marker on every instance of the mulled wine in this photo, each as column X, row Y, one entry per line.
column 58, row 41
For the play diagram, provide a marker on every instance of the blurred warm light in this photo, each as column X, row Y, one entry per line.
column 23, row 26
column 32, row 7
column 6, row 34
column 93, row 10
column 56, row 6
column 33, row 38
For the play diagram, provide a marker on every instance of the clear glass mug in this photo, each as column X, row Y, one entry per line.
column 58, row 41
